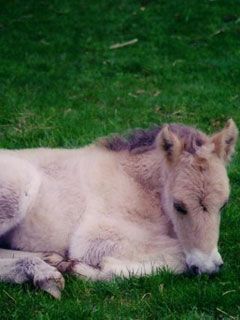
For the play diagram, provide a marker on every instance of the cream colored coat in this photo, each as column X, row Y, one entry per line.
column 113, row 213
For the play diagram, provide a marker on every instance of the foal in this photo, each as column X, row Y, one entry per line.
column 119, row 207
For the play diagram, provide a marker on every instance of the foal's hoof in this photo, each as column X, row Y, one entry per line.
column 51, row 282
column 57, row 261
column 52, row 258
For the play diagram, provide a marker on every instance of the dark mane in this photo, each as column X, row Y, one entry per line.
column 142, row 140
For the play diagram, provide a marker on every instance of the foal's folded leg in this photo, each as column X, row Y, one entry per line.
column 125, row 268
column 52, row 258
column 19, row 270
column 83, row 270
column 167, row 255
column 111, row 266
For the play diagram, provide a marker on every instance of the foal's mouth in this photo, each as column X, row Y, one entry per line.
column 194, row 270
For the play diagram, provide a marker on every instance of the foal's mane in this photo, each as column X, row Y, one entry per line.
column 143, row 140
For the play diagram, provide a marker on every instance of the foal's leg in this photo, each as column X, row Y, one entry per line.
column 19, row 185
column 55, row 260
column 83, row 270
column 16, row 254
column 165, row 255
column 19, row 270
column 118, row 267
column 111, row 267
column 101, row 251
column 52, row 258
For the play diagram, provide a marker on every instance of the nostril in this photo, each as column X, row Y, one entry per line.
column 194, row 269
column 217, row 268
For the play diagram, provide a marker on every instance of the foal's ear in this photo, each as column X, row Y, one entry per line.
column 169, row 143
column 225, row 141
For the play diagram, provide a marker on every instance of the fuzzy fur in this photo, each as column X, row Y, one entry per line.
column 109, row 208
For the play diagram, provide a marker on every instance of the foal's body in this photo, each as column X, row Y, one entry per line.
column 106, row 210
column 79, row 193
column 84, row 204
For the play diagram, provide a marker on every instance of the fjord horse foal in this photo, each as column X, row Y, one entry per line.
column 121, row 206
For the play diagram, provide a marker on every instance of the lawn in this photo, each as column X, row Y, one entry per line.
column 61, row 85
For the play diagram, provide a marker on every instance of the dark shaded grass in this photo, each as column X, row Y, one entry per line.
column 61, row 86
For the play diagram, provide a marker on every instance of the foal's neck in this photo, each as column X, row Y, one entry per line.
column 147, row 168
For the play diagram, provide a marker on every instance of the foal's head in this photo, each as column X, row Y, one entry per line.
column 197, row 189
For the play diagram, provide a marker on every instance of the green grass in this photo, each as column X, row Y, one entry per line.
column 61, row 86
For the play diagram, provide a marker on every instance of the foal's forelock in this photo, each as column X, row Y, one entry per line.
column 140, row 140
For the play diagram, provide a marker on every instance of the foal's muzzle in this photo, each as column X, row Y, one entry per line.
column 199, row 262
column 195, row 270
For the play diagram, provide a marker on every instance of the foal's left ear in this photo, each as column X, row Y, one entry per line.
column 225, row 141
column 169, row 143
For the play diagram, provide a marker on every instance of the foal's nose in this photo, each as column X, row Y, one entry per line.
column 199, row 262
column 194, row 270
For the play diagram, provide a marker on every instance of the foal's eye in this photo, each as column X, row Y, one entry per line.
column 180, row 207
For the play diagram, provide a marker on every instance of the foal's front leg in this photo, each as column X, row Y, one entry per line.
column 19, row 270
column 112, row 267
column 52, row 258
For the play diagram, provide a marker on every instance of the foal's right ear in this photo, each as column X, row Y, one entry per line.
column 169, row 143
